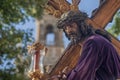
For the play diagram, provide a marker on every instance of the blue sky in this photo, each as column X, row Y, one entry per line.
column 85, row 6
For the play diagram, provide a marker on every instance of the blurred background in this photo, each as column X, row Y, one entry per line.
column 24, row 22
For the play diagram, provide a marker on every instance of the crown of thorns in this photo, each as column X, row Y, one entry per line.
column 71, row 16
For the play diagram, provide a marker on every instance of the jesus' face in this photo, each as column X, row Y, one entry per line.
column 72, row 31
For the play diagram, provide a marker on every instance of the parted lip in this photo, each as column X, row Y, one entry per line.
column 72, row 35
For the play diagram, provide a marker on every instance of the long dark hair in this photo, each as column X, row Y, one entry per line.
column 103, row 33
column 80, row 19
column 87, row 30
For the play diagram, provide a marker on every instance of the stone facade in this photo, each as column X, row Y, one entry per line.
column 53, row 40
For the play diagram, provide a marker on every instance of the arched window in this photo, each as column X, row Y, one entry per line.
column 50, row 39
column 50, row 36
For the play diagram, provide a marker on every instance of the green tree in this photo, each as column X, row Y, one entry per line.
column 115, row 29
column 15, row 11
column 12, row 40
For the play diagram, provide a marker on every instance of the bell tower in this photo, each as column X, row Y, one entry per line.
column 53, row 40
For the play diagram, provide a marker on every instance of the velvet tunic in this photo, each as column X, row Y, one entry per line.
column 98, row 61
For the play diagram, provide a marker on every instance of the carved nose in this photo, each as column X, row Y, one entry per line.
column 68, row 29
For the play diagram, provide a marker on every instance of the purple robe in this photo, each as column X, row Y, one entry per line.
column 98, row 61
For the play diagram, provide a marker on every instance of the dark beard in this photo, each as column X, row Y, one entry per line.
column 75, row 41
column 74, row 38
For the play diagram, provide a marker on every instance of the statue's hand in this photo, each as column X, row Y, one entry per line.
column 54, row 77
column 58, row 77
column 61, row 76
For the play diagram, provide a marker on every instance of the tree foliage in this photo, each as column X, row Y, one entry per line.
column 15, row 11
column 12, row 44
column 13, row 41
column 115, row 29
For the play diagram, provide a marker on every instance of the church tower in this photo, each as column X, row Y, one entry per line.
column 52, row 38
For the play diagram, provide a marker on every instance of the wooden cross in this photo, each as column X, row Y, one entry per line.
column 101, row 17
